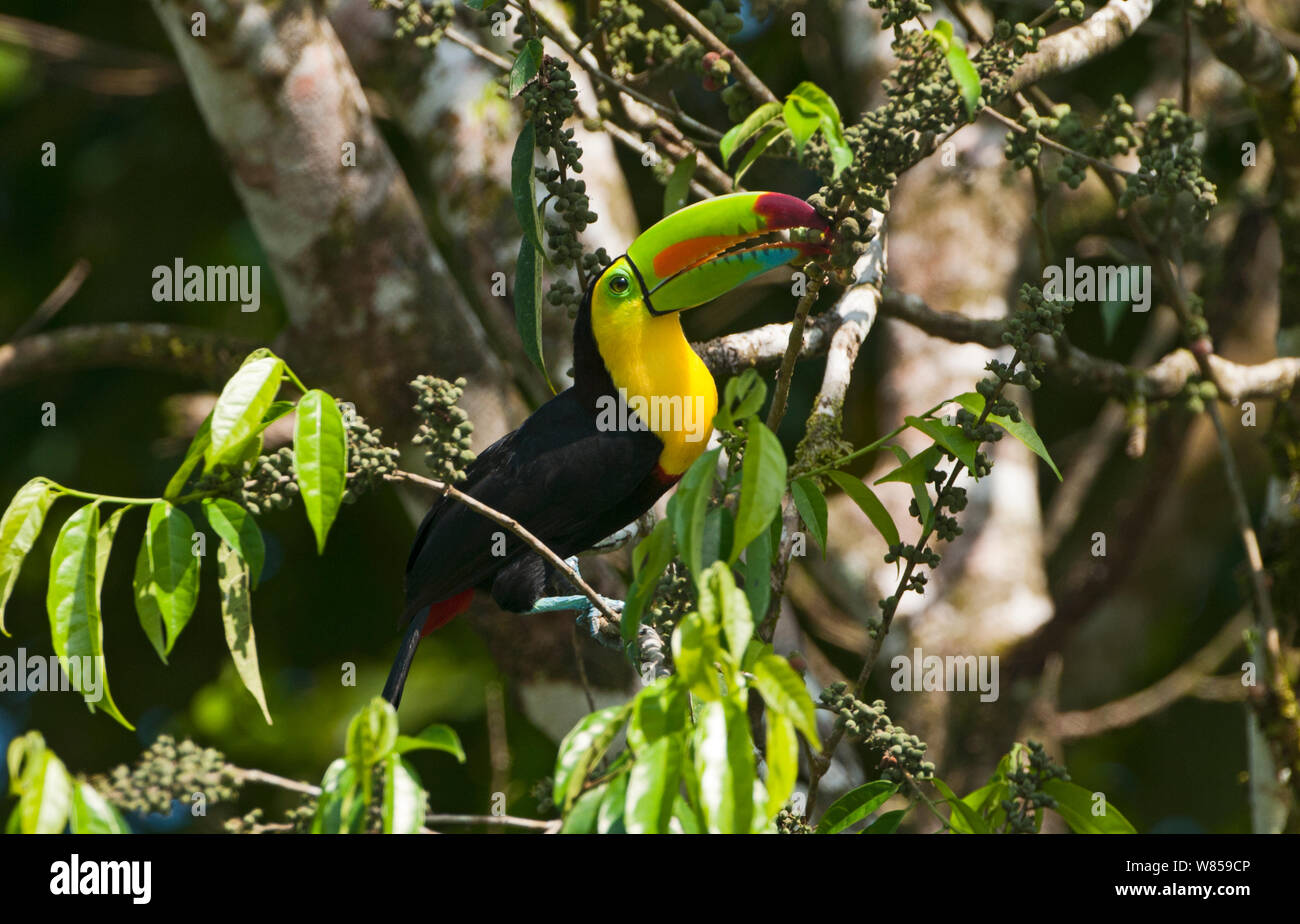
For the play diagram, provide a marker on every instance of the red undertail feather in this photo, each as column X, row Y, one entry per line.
column 444, row 611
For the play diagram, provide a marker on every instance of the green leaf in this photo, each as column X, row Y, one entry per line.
column 744, row 395
column 166, row 576
column 856, row 805
column 92, row 813
column 525, row 66
column 724, row 762
column 19, row 528
column 239, row 410
column 405, row 800
column 887, row 823
column 784, row 692
column 237, row 617
column 523, row 188
column 912, row 471
column 434, row 738
column 659, row 710
column 582, row 747
column 688, row 506
column 197, row 448
column 1075, row 805
column 782, row 759
column 964, row 73
column 609, row 819
column 72, row 602
column 751, row 126
column 649, row 559
column 963, row 819
column 372, row 733
column 737, row 621
column 1022, row 431
column 104, row 548
column 758, row 572
column 949, row 437
column 811, row 504
column 528, row 303
column 45, row 795
column 819, row 101
column 868, row 503
column 652, row 787
column 695, row 650
column 581, row 819
column 803, row 120
column 340, row 808
column 238, row 529
column 320, row 455
column 761, row 144
column 762, row 485
column 678, row 190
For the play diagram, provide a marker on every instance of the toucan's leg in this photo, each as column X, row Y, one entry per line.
column 589, row 615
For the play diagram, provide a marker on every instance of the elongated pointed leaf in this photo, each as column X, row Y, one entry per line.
column 525, row 67
column 523, row 187
column 434, row 738
column 963, row 819
column 528, row 305
column 45, row 795
column 811, row 504
column 964, row 73
column 104, row 548
column 782, row 759
column 761, row 144
column 93, row 814
column 912, row 471
column 886, row 823
column 609, row 819
column 238, row 528
column 1076, row 805
column 197, row 449
column 1021, row 430
column 166, row 576
column 652, row 787
column 659, row 710
column 19, row 527
column 868, row 503
column 243, row 403
column 320, row 455
column 949, row 437
column 802, row 119
column 237, row 617
column 688, row 507
column 783, row 690
column 855, row 805
column 582, row 747
column 758, row 572
column 751, row 126
column 649, row 559
column 72, row 602
column 724, row 763
column 405, row 800
column 762, row 485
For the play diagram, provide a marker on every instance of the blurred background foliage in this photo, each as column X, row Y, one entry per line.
column 138, row 183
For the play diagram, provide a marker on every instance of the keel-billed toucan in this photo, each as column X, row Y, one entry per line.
column 567, row 475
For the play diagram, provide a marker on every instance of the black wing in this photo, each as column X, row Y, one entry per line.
column 559, row 476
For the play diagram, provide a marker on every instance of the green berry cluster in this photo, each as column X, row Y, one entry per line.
column 630, row 47
column 270, row 483
column 1070, row 9
column 787, row 822
column 369, row 460
column 722, row 18
column 1027, row 798
column 898, row 12
column 1114, row 134
column 674, row 597
column 168, row 772
column 445, row 429
column 901, row 754
column 425, row 21
column 1170, row 169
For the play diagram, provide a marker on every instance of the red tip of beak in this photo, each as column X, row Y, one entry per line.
column 782, row 211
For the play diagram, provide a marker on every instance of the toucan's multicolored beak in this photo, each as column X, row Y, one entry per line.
column 699, row 252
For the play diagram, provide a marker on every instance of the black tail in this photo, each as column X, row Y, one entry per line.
column 402, row 665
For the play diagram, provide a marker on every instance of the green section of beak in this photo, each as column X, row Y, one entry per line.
column 700, row 252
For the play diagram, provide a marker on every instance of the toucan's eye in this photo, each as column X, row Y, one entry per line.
column 619, row 284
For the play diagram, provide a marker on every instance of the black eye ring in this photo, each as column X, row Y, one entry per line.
column 619, row 284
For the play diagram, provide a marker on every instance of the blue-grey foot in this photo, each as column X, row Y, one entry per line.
column 589, row 616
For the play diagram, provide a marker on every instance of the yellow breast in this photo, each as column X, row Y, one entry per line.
column 662, row 379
